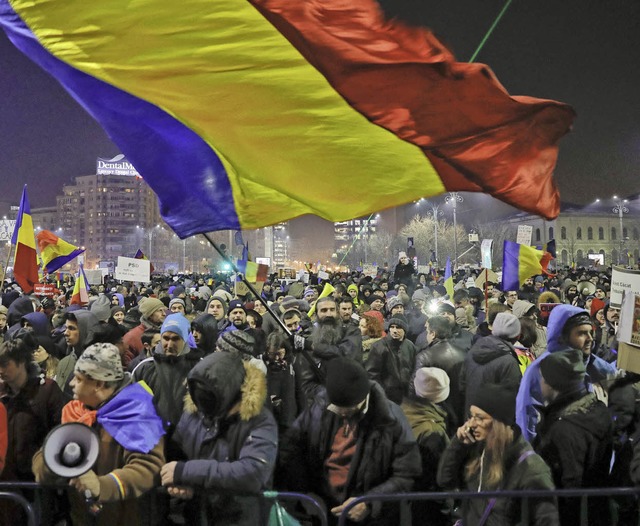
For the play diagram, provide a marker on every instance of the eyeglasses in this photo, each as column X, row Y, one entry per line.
column 479, row 420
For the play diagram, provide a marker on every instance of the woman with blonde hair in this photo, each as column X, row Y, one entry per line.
column 488, row 453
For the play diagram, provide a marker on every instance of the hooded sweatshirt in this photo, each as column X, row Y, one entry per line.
column 87, row 324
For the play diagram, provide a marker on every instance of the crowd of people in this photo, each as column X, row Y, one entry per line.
column 355, row 386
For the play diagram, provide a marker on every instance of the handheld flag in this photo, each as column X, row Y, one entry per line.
column 229, row 101
column 253, row 272
column 25, row 260
column 55, row 252
column 80, row 295
column 448, row 279
column 521, row 262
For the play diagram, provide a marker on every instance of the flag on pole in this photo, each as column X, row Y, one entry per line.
column 140, row 255
column 448, row 279
column 231, row 100
column 55, row 252
column 253, row 272
column 25, row 265
column 80, row 295
column 520, row 262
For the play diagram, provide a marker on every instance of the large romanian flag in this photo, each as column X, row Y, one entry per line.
column 25, row 266
column 244, row 113
column 520, row 262
column 55, row 252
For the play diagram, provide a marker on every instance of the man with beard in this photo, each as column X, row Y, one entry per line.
column 329, row 339
column 345, row 306
column 391, row 360
column 236, row 317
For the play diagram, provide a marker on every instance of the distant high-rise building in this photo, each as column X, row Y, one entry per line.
column 107, row 213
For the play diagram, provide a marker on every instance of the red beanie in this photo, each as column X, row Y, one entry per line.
column 596, row 305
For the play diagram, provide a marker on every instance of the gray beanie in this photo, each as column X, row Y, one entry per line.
column 400, row 321
column 236, row 341
column 101, row 361
column 101, row 308
column 148, row 306
column 506, row 326
column 432, row 383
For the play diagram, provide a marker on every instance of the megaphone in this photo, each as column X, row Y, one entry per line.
column 586, row 288
column 71, row 449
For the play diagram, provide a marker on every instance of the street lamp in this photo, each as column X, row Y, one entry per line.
column 454, row 198
column 620, row 209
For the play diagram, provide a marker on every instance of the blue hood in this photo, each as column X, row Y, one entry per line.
column 39, row 322
column 558, row 317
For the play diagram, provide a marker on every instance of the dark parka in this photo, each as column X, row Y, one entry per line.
column 575, row 437
column 391, row 364
column 234, row 453
column 490, row 360
column 524, row 470
column 441, row 354
column 386, row 461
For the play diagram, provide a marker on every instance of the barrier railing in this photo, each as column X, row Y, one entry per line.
column 12, row 491
column 583, row 493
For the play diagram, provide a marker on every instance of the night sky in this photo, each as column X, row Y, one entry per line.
column 582, row 52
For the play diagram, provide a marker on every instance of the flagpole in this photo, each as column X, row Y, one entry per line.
column 246, row 282
column 493, row 26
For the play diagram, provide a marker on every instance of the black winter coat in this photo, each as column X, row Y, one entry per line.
column 575, row 437
column 490, row 360
column 391, row 364
column 387, row 459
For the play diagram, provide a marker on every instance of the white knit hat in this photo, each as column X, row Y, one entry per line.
column 432, row 383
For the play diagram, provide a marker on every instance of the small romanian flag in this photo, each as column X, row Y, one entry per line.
column 521, row 262
column 80, row 294
column 25, row 266
column 448, row 279
column 253, row 272
column 55, row 252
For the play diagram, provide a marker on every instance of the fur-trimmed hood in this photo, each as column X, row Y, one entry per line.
column 238, row 386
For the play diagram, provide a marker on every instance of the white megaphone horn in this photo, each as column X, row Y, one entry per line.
column 71, row 449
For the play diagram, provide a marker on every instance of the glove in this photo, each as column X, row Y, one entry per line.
column 298, row 342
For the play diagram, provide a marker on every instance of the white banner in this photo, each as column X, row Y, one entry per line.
column 524, row 235
column 132, row 269
column 6, row 230
column 94, row 277
column 623, row 279
column 485, row 251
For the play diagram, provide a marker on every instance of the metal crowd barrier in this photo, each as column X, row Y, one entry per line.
column 12, row 491
column 583, row 493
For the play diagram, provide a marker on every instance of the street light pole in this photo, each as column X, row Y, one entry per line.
column 620, row 209
column 454, row 198
column 435, row 211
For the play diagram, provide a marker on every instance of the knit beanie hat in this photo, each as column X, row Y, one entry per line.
column 347, row 382
column 400, row 321
column 393, row 301
column 177, row 300
column 237, row 342
column 374, row 297
column 177, row 324
column 582, row 318
column 440, row 289
column 101, row 308
column 353, row 286
column 497, row 400
column 309, row 291
column 100, row 361
column 148, row 306
column 375, row 314
column 177, row 290
column 506, row 325
column 419, row 295
column 432, row 383
column 564, row 370
column 116, row 308
column 596, row 305
column 446, row 306
column 235, row 304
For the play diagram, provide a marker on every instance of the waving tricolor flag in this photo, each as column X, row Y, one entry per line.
column 80, row 294
column 55, row 252
column 448, row 279
column 520, row 262
column 25, row 266
column 244, row 113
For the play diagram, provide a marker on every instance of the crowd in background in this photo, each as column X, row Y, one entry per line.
column 356, row 385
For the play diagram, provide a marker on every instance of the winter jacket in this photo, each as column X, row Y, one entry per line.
column 133, row 340
column 523, row 470
column 391, row 364
column 387, row 459
column 529, row 393
column 575, row 437
column 490, row 360
column 167, row 378
column 441, row 354
column 31, row 414
column 461, row 338
column 235, row 454
column 87, row 324
column 125, row 476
